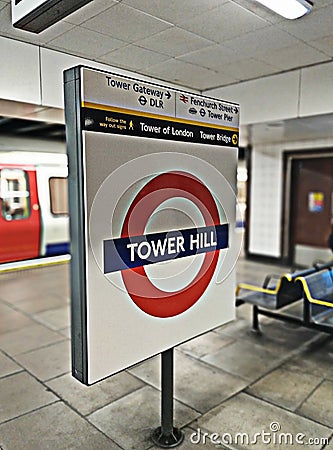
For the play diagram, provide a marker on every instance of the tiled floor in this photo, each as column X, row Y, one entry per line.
column 233, row 389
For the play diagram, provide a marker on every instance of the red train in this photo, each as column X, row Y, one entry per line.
column 34, row 205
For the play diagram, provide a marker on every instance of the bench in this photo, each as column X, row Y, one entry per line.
column 318, row 298
column 277, row 292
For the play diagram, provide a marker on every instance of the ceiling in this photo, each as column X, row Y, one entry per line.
column 11, row 126
column 200, row 44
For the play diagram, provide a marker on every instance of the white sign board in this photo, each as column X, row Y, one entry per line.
column 37, row 15
column 152, row 206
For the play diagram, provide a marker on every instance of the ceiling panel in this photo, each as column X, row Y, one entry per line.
column 51, row 33
column 174, row 42
column 249, row 68
column 90, row 10
column 174, row 11
column 189, row 75
column 224, row 23
column 316, row 25
column 215, row 57
column 324, row 44
column 284, row 58
column 259, row 10
column 125, row 23
column 134, row 57
column 253, row 43
column 86, row 43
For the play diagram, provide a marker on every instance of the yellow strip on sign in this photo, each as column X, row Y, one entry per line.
column 154, row 116
column 309, row 296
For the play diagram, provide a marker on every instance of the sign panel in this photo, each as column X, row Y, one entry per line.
column 152, row 206
column 37, row 15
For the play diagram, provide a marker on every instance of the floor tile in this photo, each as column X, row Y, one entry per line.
column 319, row 406
column 282, row 336
column 47, row 362
column 251, row 417
column 316, row 359
column 5, row 309
column 28, row 338
column 51, row 428
column 203, row 345
column 246, row 360
column 55, row 319
column 196, row 384
column 131, row 420
column 21, row 393
column 34, row 305
column 14, row 320
column 7, row 366
column 275, row 335
column 234, row 329
column 87, row 399
column 66, row 332
column 20, row 287
column 285, row 388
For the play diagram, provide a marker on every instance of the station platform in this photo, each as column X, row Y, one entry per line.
column 233, row 389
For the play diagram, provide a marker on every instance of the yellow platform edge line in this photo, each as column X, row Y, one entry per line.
column 26, row 265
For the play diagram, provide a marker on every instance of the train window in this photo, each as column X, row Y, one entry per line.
column 14, row 192
column 59, row 196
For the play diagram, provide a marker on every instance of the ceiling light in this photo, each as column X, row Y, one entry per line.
column 290, row 9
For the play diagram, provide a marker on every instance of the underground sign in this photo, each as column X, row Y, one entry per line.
column 152, row 207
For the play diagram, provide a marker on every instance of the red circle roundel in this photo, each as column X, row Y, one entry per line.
column 144, row 293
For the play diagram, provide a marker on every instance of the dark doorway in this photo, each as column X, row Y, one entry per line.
column 310, row 214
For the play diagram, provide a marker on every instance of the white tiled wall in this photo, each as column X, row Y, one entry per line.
column 19, row 74
column 316, row 97
column 266, row 197
column 265, row 99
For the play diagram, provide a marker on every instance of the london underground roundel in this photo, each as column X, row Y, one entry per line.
column 145, row 294
column 125, row 259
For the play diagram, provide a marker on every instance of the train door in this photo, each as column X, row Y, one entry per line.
column 53, row 195
column 311, row 209
column 19, row 214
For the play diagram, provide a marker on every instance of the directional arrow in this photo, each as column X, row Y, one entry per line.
column 167, row 94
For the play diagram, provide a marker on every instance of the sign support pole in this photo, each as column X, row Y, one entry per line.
column 167, row 436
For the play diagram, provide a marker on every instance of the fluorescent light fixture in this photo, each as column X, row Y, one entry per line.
column 290, row 9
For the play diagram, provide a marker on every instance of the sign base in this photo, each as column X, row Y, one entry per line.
column 167, row 440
